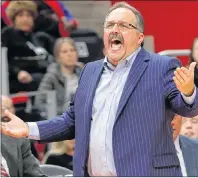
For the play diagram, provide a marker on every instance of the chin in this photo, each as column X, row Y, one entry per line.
column 27, row 29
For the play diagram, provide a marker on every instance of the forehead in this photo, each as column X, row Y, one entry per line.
column 177, row 118
column 24, row 12
column 66, row 45
column 196, row 44
column 122, row 14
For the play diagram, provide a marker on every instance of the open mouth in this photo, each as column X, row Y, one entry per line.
column 116, row 44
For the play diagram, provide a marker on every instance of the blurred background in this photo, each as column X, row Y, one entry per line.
column 45, row 44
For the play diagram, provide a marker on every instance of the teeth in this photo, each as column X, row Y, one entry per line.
column 116, row 46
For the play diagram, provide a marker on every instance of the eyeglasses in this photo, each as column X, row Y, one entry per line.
column 123, row 26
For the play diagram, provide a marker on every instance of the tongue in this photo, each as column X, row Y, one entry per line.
column 116, row 46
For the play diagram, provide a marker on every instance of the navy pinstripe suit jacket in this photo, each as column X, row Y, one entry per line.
column 142, row 134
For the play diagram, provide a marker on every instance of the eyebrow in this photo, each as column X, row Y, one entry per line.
column 118, row 21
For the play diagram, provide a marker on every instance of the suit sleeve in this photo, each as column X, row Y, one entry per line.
column 30, row 163
column 61, row 127
column 173, row 96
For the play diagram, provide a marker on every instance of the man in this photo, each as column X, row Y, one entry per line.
column 16, row 155
column 186, row 148
column 190, row 127
column 116, row 129
column 28, row 53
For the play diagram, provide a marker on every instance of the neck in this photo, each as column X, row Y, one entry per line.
column 66, row 70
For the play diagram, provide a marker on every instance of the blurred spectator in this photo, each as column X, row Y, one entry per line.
column 28, row 53
column 194, row 57
column 61, row 154
column 190, row 127
column 16, row 156
column 61, row 76
column 186, row 148
column 53, row 18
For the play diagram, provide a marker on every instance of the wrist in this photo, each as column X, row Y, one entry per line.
column 190, row 93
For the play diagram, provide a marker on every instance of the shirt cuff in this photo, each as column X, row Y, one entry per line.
column 189, row 99
column 33, row 131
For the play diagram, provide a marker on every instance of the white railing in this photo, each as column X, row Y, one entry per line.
column 175, row 52
column 4, row 89
column 51, row 105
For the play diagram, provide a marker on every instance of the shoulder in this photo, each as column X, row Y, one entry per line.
column 53, row 67
column 43, row 35
column 188, row 142
column 7, row 30
column 18, row 141
column 163, row 60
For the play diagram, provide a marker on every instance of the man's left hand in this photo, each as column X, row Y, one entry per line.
column 184, row 79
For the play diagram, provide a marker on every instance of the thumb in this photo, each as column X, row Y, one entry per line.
column 9, row 115
column 192, row 66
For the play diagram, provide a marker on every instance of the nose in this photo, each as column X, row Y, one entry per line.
column 116, row 28
column 188, row 124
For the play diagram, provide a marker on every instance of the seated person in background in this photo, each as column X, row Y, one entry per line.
column 194, row 58
column 186, row 148
column 61, row 154
column 17, row 159
column 28, row 52
column 61, row 76
column 190, row 127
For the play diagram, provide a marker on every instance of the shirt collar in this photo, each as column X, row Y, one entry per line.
column 177, row 145
column 127, row 61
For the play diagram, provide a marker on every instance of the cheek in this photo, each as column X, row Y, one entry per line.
column 62, row 58
column 106, row 38
column 17, row 21
column 195, row 54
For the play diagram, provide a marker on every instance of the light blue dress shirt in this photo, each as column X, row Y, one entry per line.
column 105, row 105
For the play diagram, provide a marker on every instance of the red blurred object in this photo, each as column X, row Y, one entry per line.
column 20, row 99
column 40, row 148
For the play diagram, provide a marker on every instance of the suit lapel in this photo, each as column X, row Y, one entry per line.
column 137, row 70
column 93, row 85
column 190, row 158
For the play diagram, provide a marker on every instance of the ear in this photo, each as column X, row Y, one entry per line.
column 141, row 38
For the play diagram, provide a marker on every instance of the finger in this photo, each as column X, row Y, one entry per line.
column 3, row 124
column 178, row 77
column 9, row 115
column 8, row 132
column 186, row 71
column 177, row 82
column 182, row 74
column 192, row 66
column 5, row 130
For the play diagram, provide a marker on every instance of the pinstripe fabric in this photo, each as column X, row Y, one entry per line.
column 142, row 135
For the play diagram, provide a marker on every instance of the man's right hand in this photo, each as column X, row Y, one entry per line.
column 24, row 77
column 15, row 127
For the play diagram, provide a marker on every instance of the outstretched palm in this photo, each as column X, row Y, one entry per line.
column 15, row 127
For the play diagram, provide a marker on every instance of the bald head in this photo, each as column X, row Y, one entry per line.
column 6, row 103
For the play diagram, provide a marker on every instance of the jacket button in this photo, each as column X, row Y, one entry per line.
column 83, row 168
